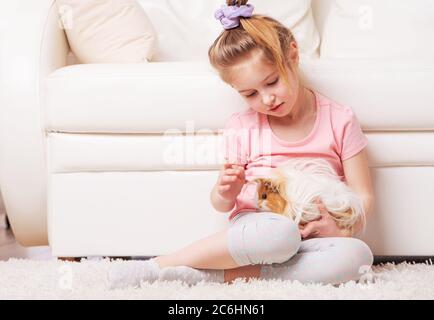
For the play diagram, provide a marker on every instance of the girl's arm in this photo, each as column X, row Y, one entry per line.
column 356, row 171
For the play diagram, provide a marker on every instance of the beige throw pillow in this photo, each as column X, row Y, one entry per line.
column 107, row 31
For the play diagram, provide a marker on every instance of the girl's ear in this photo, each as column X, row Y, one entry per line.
column 293, row 54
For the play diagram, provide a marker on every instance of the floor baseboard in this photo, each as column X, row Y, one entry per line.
column 399, row 259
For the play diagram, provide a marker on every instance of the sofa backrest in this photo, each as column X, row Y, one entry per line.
column 187, row 28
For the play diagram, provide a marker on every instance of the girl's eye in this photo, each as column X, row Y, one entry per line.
column 274, row 82
column 251, row 95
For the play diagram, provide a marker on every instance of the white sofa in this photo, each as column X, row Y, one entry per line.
column 87, row 164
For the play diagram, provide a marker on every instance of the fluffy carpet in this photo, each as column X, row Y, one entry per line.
column 27, row 279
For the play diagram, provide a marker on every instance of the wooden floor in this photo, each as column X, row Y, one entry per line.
column 10, row 248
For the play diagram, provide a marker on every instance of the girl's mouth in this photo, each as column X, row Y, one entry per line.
column 276, row 107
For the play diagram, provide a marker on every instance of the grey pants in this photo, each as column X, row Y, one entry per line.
column 274, row 241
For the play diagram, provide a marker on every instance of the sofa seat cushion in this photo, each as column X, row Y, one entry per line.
column 155, row 97
column 392, row 95
column 137, row 98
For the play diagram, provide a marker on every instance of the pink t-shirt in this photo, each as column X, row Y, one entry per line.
column 250, row 142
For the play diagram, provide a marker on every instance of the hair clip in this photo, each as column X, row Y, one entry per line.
column 229, row 16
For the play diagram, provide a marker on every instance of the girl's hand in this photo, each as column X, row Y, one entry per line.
column 325, row 226
column 231, row 181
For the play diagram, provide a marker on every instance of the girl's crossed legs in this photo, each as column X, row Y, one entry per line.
column 268, row 245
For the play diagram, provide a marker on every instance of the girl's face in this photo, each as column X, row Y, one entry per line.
column 262, row 87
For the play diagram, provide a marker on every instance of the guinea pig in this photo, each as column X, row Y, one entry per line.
column 294, row 186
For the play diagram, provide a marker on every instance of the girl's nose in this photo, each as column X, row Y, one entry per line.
column 268, row 99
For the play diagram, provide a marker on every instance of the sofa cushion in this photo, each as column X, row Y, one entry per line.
column 70, row 152
column 187, row 28
column 137, row 98
column 189, row 96
column 115, row 31
column 379, row 29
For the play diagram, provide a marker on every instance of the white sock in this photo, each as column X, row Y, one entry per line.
column 124, row 274
column 190, row 275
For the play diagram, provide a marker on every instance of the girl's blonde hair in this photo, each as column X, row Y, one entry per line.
column 257, row 32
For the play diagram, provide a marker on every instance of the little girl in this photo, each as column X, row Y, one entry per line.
column 258, row 57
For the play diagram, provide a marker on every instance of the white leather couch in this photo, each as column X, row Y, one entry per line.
column 87, row 163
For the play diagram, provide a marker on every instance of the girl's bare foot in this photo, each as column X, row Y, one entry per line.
column 248, row 272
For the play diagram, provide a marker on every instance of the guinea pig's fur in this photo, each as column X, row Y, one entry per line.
column 293, row 187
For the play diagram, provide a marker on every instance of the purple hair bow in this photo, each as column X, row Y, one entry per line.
column 229, row 16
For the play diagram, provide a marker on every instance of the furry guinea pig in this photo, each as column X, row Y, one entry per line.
column 293, row 187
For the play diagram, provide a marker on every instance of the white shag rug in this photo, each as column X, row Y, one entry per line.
column 53, row 279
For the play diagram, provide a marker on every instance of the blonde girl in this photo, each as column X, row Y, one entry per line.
column 259, row 57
